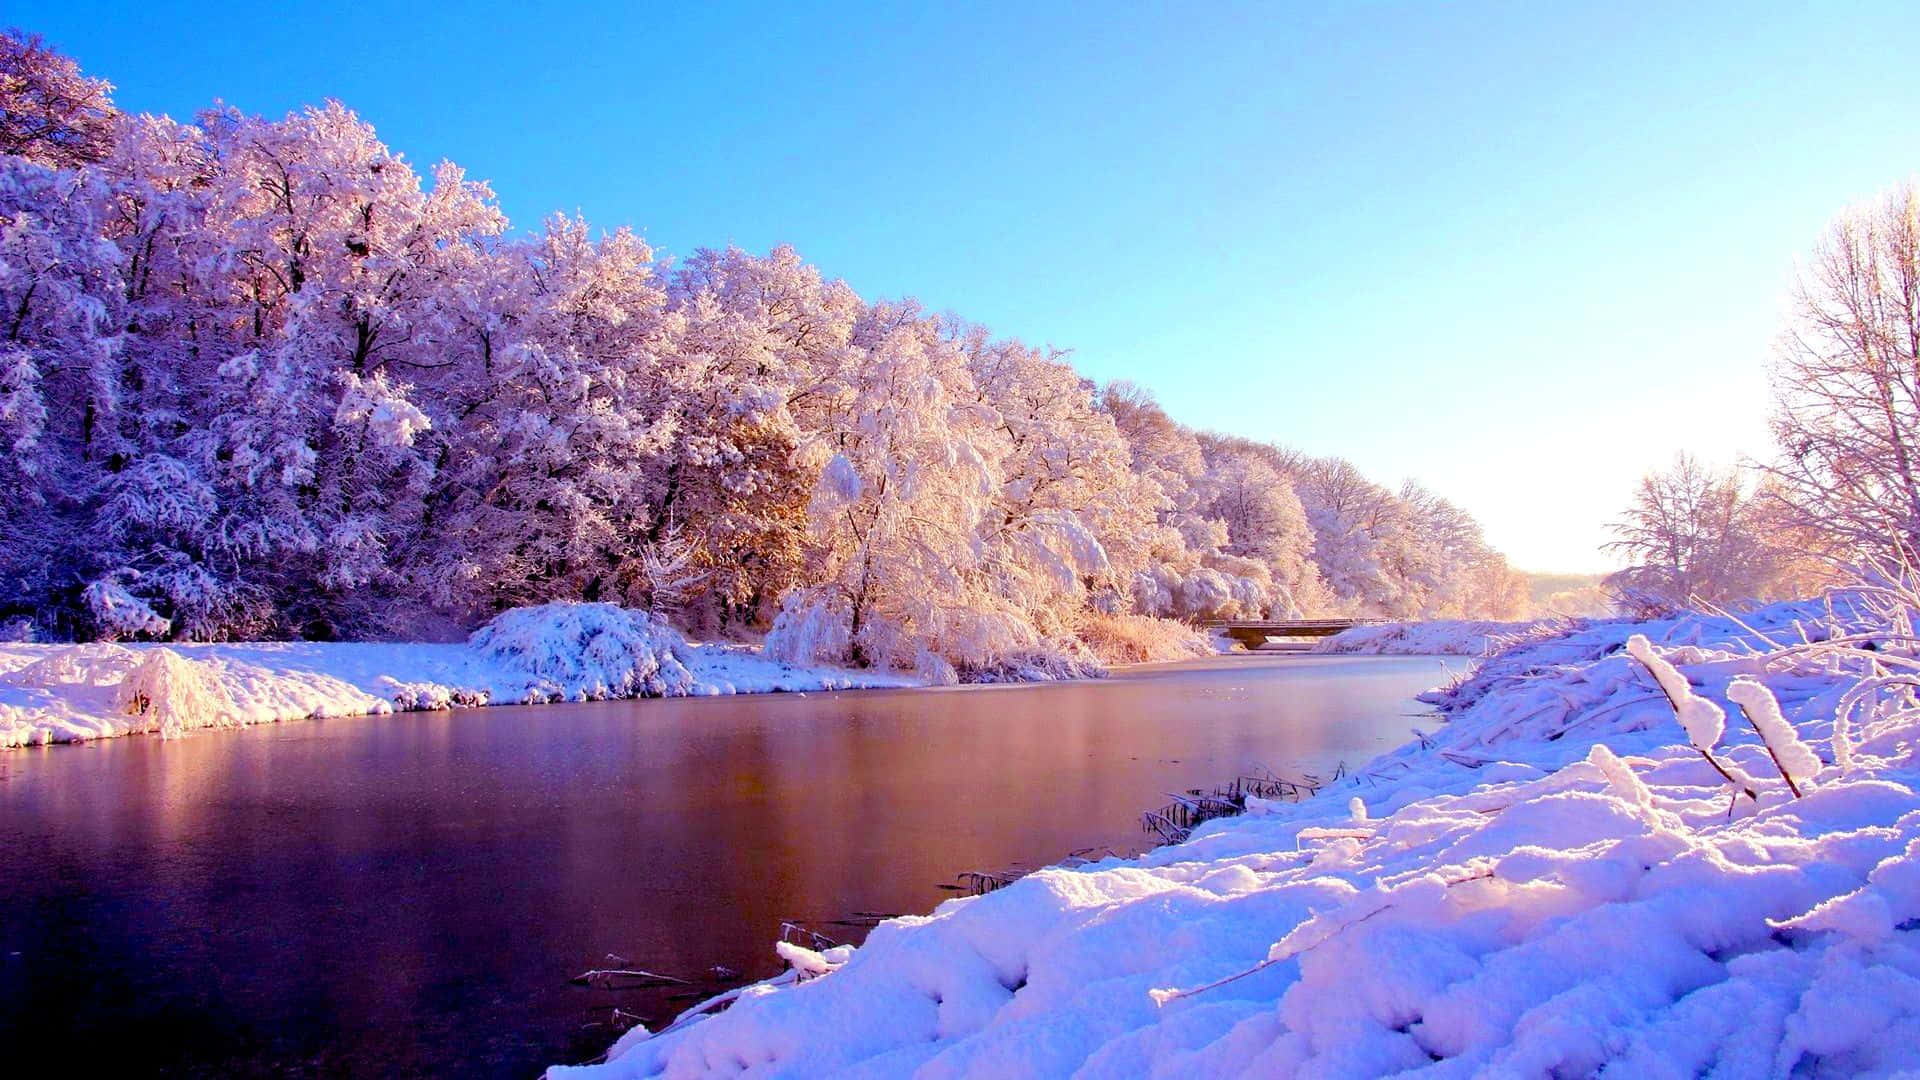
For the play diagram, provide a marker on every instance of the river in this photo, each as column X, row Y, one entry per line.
column 409, row 894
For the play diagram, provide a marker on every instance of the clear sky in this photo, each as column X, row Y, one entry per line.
column 1519, row 252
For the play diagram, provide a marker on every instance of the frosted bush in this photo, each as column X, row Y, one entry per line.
column 119, row 613
column 173, row 694
column 1053, row 661
column 1137, row 639
column 935, row 668
column 588, row 651
column 811, row 628
column 428, row 696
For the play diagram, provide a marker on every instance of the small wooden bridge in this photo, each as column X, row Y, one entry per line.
column 1254, row 633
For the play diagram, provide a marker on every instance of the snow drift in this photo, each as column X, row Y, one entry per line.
column 1558, row 881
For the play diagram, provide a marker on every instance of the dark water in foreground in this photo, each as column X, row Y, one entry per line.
column 408, row 895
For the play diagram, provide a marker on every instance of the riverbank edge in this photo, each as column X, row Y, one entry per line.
column 61, row 694
column 74, row 693
column 1498, row 814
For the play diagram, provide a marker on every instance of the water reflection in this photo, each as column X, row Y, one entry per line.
column 408, row 894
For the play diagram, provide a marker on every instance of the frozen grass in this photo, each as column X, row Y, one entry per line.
column 1140, row 639
column 1558, row 881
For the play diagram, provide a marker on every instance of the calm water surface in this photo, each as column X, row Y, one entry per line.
column 408, row 895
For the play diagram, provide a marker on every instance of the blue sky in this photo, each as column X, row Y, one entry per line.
column 1520, row 252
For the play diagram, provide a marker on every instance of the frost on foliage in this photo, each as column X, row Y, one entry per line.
column 588, row 651
column 811, row 628
column 119, row 613
column 158, row 493
column 310, row 390
column 172, row 694
column 840, row 481
column 23, row 411
column 1797, row 762
column 386, row 414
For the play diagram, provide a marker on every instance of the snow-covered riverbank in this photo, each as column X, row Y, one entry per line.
column 563, row 652
column 1553, row 882
column 1441, row 637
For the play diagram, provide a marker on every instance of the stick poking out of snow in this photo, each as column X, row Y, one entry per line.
column 1704, row 721
column 1798, row 765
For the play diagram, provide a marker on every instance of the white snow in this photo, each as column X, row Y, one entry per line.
column 1704, row 721
column 1556, row 882
column 1440, row 637
column 1790, row 753
column 557, row 652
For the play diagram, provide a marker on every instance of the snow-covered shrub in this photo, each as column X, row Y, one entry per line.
column 118, row 613
column 813, row 627
column 173, row 694
column 1054, row 661
column 938, row 642
column 428, row 696
column 1138, row 639
column 588, row 651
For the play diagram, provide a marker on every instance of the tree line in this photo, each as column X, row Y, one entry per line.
column 1840, row 493
column 263, row 378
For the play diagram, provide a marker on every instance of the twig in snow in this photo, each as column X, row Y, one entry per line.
column 791, row 930
column 606, row 977
column 1685, row 704
column 1161, row 997
column 1762, row 710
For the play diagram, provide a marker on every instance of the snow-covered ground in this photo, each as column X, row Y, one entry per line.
column 1440, row 637
column 1555, row 882
column 560, row 652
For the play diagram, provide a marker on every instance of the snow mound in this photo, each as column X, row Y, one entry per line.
column 1557, row 882
column 174, row 695
column 583, row 652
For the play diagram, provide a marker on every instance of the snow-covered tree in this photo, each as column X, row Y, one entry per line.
column 50, row 113
column 541, row 494
column 1847, row 384
column 61, row 319
column 261, row 377
column 1698, row 535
